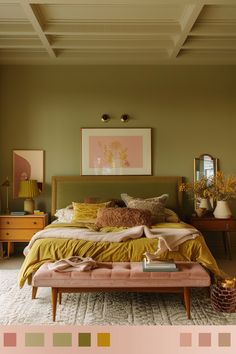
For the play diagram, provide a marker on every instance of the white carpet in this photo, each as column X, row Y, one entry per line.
column 103, row 308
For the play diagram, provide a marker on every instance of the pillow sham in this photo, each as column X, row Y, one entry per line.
column 65, row 215
column 86, row 212
column 171, row 216
column 123, row 217
column 155, row 205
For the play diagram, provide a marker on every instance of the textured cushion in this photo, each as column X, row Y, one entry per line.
column 86, row 212
column 155, row 205
column 122, row 275
column 171, row 216
column 123, row 217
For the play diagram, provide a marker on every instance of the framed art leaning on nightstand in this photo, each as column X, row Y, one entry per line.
column 27, row 164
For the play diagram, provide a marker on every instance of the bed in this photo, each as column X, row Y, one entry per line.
column 66, row 189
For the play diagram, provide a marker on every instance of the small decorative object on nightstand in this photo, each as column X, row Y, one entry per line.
column 7, row 185
column 20, row 228
column 212, row 224
column 28, row 189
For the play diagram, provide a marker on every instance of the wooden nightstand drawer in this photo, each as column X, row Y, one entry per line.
column 15, row 235
column 14, row 228
column 212, row 224
column 22, row 222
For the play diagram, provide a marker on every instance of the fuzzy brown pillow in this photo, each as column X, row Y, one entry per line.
column 123, row 217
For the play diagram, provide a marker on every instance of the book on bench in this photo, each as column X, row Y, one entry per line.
column 159, row 266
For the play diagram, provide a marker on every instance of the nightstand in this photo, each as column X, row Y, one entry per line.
column 221, row 225
column 20, row 228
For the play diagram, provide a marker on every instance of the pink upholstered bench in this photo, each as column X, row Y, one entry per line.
column 123, row 276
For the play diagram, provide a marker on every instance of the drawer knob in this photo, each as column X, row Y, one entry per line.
column 35, row 222
column 7, row 233
column 8, row 222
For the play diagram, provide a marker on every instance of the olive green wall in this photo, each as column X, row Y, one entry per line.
column 191, row 110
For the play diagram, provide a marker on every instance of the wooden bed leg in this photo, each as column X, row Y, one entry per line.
column 34, row 292
column 59, row 299
column 187, row 301
column 54, row 303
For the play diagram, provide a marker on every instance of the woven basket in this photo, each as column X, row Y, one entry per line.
column 223, row 299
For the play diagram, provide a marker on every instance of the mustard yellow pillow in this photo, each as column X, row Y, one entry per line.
column 86, row 212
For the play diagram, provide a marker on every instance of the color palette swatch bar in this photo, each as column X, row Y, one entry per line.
column 56, row 339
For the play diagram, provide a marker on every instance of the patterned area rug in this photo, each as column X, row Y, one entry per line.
column 104, row 308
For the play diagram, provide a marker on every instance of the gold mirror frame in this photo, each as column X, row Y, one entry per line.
column 208, row 171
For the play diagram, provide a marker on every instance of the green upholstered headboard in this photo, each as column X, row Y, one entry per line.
column 66, row 189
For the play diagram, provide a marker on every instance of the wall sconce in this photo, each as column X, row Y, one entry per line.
column 105, row 118
column 124, row 118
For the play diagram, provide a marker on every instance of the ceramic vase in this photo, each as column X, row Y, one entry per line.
column 222, row 210
column 205, row 204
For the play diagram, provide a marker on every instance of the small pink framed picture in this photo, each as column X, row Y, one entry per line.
column 27, row 164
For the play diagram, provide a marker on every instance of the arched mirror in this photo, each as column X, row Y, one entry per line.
column 205, row 165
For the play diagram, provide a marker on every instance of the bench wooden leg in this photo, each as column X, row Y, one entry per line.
column 187, row 302
column 34, row 292
column 54, row 303
column 59, row 298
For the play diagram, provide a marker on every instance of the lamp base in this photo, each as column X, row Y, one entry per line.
column 29, row 205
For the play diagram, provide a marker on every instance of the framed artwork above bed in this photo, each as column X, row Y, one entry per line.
column 116, row 151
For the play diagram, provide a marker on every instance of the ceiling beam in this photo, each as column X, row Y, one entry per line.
column 34, row 20
column 126, row 2
column 189, row 17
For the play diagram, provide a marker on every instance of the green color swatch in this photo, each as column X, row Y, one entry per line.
column 62, row 339
column 84, row 340
column 34, row 339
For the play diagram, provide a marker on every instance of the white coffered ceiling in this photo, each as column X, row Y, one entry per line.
column 118, row 32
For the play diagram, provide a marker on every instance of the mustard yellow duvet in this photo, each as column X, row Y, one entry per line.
column 52, row 249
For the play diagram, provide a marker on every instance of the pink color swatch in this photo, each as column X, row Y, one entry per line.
column 224, row 339
column 204, row 339
column 9, row 339
column 185, row 339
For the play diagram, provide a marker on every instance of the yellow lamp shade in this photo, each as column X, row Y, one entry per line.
column 28, row 188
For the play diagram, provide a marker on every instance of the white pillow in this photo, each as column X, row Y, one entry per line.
column 64, row 215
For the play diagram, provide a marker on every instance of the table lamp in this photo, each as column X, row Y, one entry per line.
column 28, row 189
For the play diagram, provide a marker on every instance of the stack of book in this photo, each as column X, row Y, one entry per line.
column 18, row 213
column 159, row 266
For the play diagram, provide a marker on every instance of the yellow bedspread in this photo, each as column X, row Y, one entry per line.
column 50, row 250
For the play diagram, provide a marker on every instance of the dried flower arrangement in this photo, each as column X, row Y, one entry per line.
column 198, row 188
column 218, row 187
column 222, row 187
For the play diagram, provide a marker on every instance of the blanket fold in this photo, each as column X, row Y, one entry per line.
column 169, row 238
column 77, row 263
